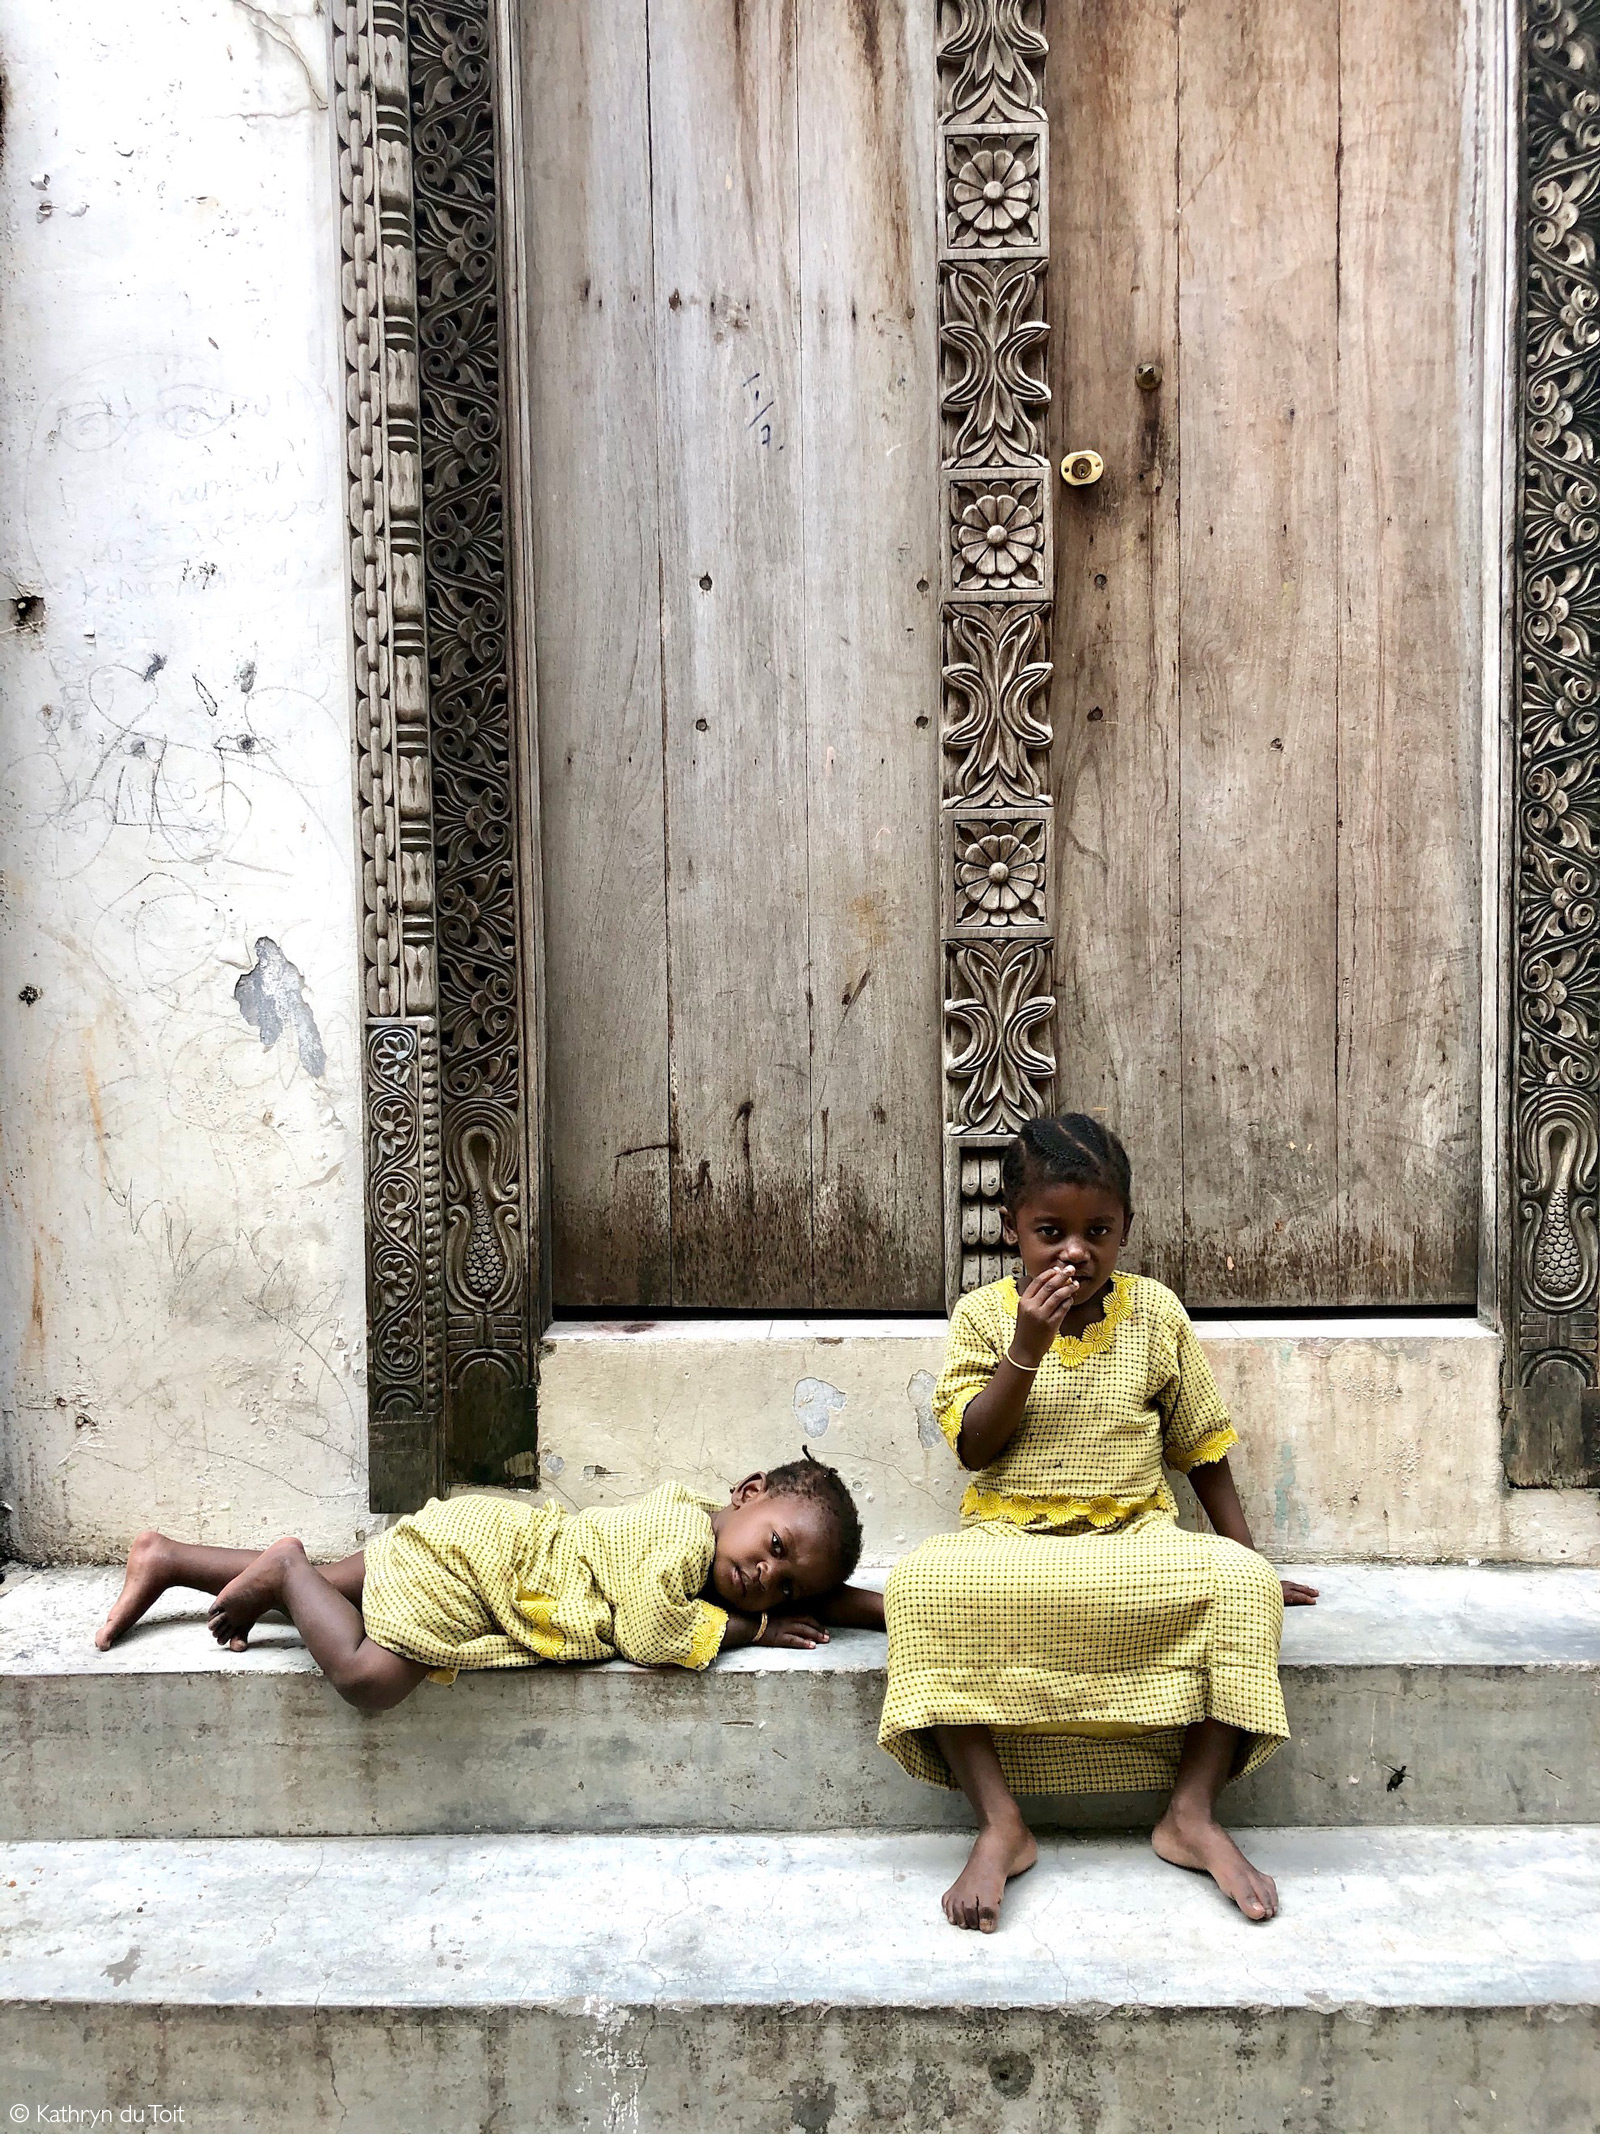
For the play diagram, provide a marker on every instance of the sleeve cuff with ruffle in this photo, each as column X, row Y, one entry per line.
column 1214, row 1447
column 710, row 1628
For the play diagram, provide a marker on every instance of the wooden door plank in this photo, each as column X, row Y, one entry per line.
column 725, row 188
column 1258, row 118
column 1113, row 305
column 596, row 570
column 870, row 423
column 1408, row 718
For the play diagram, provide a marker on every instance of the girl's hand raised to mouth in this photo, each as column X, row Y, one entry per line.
column 1041, row 1307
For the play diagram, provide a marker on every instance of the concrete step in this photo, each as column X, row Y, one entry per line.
column 1424, row 1979
column 1420, row 1694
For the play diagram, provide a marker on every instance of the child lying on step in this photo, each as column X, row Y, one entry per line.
column 472, row 1582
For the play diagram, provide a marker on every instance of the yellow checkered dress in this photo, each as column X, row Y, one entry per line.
column 489, row 1582
column 1072, row 1615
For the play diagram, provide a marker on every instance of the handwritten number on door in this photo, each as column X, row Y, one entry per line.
column 762, row 405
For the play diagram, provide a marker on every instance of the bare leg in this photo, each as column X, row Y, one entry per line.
column 347, row 1577
column 1189, row 1834
column 368, row 1676
column 155, row 1563
column 1004, row 1845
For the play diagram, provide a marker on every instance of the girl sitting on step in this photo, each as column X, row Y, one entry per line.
column 475, row 1581
column 1072, row 1638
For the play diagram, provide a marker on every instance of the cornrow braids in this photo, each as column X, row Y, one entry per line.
column 1071, row 1149
column 821, row 1485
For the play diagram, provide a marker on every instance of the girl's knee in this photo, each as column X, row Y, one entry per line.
column 376, row 1680
column 1248, row 1577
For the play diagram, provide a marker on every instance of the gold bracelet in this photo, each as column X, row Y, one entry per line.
column 1027, row 1369
column 761, row 1631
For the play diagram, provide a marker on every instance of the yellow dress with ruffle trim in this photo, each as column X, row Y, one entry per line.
column 475, row 1582
column 1072, row 1616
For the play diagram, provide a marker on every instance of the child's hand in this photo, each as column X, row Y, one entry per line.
column 796, row 1632
column 1041, row 1307
column 1296, row 1595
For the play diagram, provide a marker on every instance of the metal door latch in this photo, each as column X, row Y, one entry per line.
column 1079, row 469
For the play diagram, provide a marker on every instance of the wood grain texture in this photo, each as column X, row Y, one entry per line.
column 1258, row 162
column 869, row 407
column 596, row 571
column 724, row 134
column 1409, row 712
column 1113, row 304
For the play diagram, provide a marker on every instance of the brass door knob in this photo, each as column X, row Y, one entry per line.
column 1079, row 469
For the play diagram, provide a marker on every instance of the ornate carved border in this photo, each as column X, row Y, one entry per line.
column 997, row 579
column 451, row 1206
column 1553, row 1428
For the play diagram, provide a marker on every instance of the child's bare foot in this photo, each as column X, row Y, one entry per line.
column 245, row 1599
column 1000, row 1851
column 147, row 1577
column 1200, row 1842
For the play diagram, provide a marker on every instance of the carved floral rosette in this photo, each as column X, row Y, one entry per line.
column 449, row 1293
column 1555, row 1030
column 995, row 583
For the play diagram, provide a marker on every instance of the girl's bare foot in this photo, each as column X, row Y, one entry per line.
column 245, row 1599
column 147, row 1577
column 1001, row 1850
column 1199, row 1841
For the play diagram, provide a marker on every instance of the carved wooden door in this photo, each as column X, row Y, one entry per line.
column 1266, row 635
column 733, row 435
column 772, row 322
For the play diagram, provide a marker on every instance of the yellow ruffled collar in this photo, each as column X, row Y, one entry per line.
column 1097, row 1337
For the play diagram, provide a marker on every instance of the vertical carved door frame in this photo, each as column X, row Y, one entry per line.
column 445, row 778
column 997, row 581
column 1553, row 1157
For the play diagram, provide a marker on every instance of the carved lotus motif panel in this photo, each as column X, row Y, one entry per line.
column 999, row 1075
column 992, row 340
column 995, row 733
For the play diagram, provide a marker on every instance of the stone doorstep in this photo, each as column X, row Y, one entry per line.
column 1440, row 1918
column 1418, row 1695
column 1431, row 1980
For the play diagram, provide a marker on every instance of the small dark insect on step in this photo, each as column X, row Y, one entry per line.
column 1396, row 1778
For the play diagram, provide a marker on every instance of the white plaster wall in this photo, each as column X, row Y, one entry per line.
column 181, row 1312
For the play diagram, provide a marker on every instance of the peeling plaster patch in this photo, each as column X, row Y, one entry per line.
column 271, row 1000
column 553, row 1464
column 919, row 1391
column 816, row 1403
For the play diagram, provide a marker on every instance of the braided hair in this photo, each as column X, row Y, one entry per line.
column 1070, row 1150
column 816, row 1483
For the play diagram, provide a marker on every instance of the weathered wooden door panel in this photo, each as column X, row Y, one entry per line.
column 735, row 530
column 1265, row 712
column 724, row 139
column 1113, row 305
column 1411, row 429
column 597, row 594
column 870, row 421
